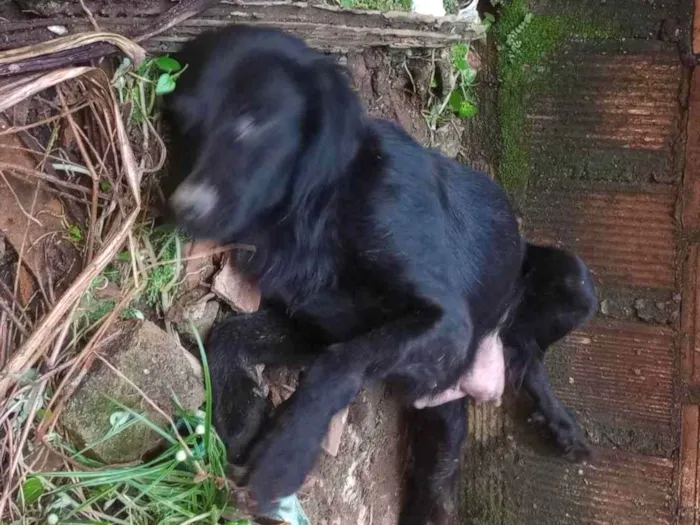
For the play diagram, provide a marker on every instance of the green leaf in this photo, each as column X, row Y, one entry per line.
column 32, row 490
column 74, row 232
column 456, row 101
column 43, row 413
column 469, row 75
column 459, row 57
column 490, row 17
column 165, row 84
column 168, row 65
column 105, row 185
column 468, row 110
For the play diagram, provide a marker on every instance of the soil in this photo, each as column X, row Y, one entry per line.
column 363, row 484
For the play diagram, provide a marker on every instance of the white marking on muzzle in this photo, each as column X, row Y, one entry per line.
column 194, row 199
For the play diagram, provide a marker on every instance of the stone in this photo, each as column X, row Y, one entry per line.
column 197, row 308
column 156, row 364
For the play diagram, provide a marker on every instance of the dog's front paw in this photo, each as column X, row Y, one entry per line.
column 279, row 464
column 567, row 435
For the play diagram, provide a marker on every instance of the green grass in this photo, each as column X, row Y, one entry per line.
column 163, row 277
column 526, row 45
column 185, row 484
column 160, row 261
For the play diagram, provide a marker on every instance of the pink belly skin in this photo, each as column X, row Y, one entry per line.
column 484, row 381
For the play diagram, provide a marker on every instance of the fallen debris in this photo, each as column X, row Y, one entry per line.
column 33, row 222
column 198, row 308
column 331, row 441
column 233, row 287
column 199, row 263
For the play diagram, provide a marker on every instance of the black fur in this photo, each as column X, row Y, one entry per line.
column 378, row 260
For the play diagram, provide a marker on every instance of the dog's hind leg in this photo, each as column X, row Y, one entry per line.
column 559, row 297
column 551, row 412
column 432, row 491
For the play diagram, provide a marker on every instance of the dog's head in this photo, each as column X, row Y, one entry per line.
column 261, row 122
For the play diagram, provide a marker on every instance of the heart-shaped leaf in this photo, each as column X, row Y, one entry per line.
column 165, row 84
column 168, row 65
column 32, row 490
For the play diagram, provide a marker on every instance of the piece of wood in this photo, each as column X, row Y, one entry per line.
column 696, row 28
column 90, row 51
column 327, row 28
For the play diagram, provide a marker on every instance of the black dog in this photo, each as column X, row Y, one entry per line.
column 378, row 260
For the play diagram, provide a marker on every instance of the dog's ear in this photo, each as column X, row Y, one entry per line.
column 333, row 128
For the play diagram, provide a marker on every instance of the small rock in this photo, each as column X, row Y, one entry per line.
column 135, row 347
column 571, row 380
column 449, row 140
column 637, row 371
column 605, row 307
column 199, row 310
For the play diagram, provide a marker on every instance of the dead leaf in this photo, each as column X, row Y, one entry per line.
column 43, row 231
column 334, row 435
column 198, row 269
column 236, row 289
column 26, row 285
column 108, row 291
column 474, row 60
column 43, row 459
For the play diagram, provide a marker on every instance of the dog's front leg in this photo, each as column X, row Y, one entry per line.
column 280, row 462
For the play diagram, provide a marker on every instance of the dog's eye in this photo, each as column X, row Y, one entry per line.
column 244, row 126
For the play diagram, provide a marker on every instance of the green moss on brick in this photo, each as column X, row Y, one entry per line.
column 526, row 45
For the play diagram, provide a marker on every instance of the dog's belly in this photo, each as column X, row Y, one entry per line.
column 484, row 381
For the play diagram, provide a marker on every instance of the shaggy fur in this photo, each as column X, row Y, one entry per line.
column 378, row 260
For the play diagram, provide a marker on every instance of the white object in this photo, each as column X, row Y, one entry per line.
column 58, row 30
column 429, row 7
column 290, row 511
column 468, row 12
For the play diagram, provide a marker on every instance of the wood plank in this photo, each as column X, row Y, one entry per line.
column 696, row 28
column 328, row 28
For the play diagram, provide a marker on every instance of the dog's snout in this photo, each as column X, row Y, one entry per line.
column 194, row 201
